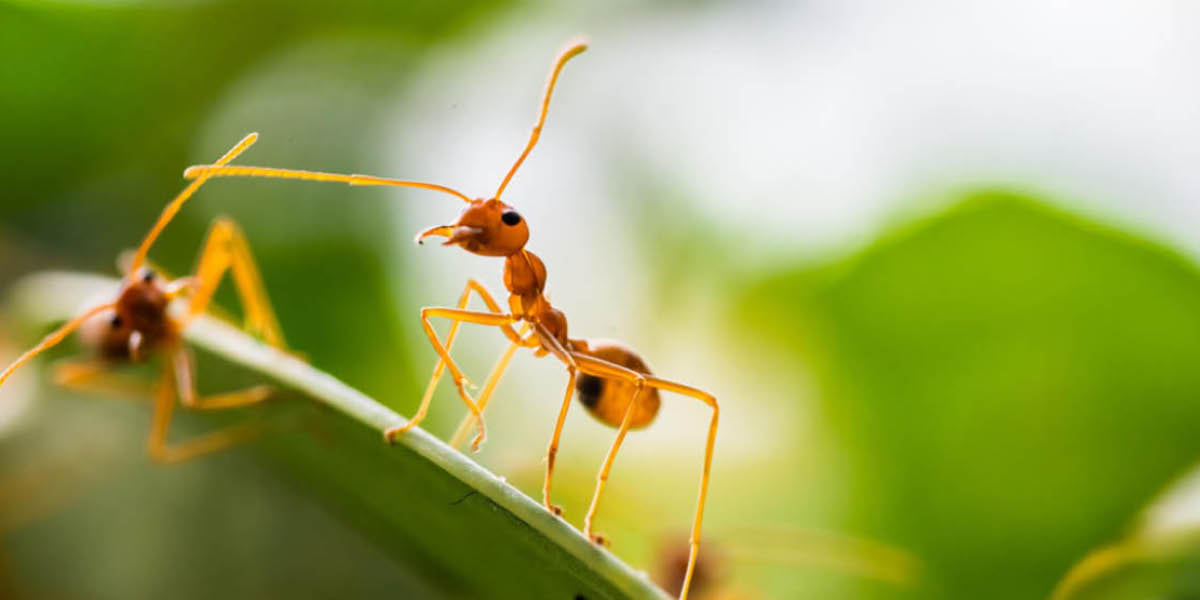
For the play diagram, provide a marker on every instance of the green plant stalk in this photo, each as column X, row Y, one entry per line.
column 55, row 296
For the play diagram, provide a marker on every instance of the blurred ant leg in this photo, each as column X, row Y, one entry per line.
column 94, row 376
column 226, row 249
column 174, row 206
column 181, row 383
column 185, row 385
column 489, row 386
column 460, row 381
column 165, row 406
column 552, row 449
column 463, row 299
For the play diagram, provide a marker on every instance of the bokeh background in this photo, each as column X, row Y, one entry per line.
column 937, row 262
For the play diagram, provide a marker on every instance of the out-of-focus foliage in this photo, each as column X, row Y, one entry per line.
column 1011, row 383
column 1156, row 558
column 996, row 389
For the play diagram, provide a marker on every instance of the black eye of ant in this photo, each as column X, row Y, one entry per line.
column 510, row 217
column 116, row 322
column 148, row 276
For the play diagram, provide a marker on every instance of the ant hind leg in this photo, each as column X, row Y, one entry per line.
column 602, row 368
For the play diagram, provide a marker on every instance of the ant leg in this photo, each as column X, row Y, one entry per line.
column 94, row 376
column 601, row 368
column 489, row 386
column 710, row 400
column 463, row 299
column 552, row 449
column 460, row 380
column 225, row 249
column 182, row 383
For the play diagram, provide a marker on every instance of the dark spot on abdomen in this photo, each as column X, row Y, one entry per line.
column 590, row 389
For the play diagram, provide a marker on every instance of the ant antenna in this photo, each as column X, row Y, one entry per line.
column 54, row 338
column 572, row 48
column 218, row 170
column 173, row 207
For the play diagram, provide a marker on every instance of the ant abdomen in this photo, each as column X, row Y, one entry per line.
column 608, row 399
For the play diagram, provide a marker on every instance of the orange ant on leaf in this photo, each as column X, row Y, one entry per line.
column 614, row 383
column 138, row 324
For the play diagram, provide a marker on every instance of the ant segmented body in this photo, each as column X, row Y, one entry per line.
column 614, row 382
column 137, row 325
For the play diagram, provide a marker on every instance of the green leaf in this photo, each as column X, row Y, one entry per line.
column 1009, row 383
column 427, row 504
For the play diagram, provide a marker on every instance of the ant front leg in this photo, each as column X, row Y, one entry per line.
column 95, row 376
column 226, row 249
column 181, row 383
column 460, row 381
column 440, row 367
column 489, row 385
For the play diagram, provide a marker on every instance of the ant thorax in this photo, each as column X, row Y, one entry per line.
column 524, row 274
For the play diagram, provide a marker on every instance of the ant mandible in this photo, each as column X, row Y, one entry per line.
column 614, row 383
column 138, row 324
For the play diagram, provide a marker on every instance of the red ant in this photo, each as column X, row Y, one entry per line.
column 138, row 324
column 613, row 382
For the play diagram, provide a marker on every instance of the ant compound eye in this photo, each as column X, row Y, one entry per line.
column 116, row 322
column 510, row 218
column 148, row 276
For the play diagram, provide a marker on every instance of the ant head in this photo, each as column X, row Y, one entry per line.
column 491, row 227
column 138, row 317
column 485, row 227
column 135, row 322
column 108, row 333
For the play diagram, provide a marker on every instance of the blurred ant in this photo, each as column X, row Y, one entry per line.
column 614, row 383
column 138, row 324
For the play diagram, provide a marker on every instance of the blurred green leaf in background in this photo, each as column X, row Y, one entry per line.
column 995, row 387
column 1012, row 383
